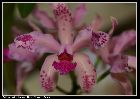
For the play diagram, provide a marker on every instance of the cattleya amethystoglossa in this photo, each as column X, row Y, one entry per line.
column 66, row 48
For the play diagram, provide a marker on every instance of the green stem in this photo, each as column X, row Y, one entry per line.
column 103, row 75
column 62, row 90
column 75, row 86
column 97, row 62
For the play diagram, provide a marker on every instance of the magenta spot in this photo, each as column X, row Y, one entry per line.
column 88, row 82
column 62, row 10
column 48, row 85
column 43, row 85
column 63, row 29
column 43, row 71
column 41, row 75
column 89, row 61
column 94, row 70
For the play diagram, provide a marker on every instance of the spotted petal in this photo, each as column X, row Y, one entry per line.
column 86, row 74
column 37, row 42
column 118, row 63
column 64, row 22
column 48, row 75
column 20, row 54
column 99, row 39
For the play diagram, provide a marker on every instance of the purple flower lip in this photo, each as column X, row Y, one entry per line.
column 65, row 56
column 65, row 65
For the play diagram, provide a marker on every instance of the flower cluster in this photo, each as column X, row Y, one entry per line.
column 66, row 55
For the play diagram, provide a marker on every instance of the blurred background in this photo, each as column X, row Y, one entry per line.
column 124, row 12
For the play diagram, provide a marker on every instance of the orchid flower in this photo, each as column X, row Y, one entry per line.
column 25, row 64
column 64, row 59
column 110, row 49
column 112, row 54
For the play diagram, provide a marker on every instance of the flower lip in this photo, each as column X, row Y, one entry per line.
column 65, row 64
column 65, row 56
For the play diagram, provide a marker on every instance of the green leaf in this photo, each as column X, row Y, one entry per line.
column 9, row 80
column 25, row 8
column 8, row 12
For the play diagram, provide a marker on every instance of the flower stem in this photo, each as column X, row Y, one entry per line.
column 75, row 86
column 62, row 90
column 97, row 62
column 103, row 75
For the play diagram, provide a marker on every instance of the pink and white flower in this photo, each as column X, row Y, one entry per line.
column 66, row 55
column 64, row 59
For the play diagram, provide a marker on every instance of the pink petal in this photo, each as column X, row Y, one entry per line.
column 20, row 54
column 131, row 63
column 99, row 39
column 118, row 63
column 64, row 22
column 103, row 53
column 67, row 47
column 82, row 40
column 22, row 71
column 114, row 25
column 79, row 13
column 123, row 80
column 86, row 74
column 37, row 42
column 6, row 55
column 48, row 75
column 97, row 23
column 45, row 19
column 124, row 41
